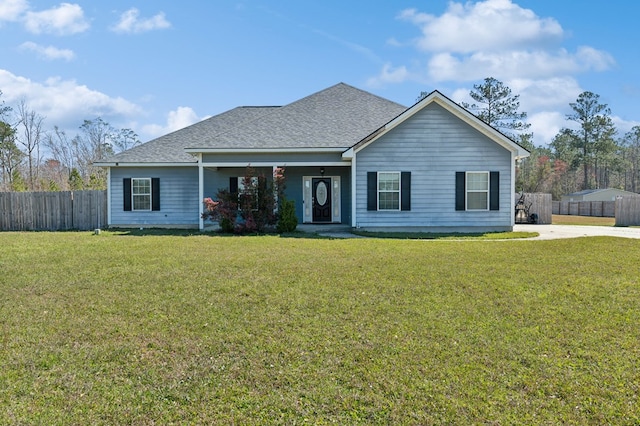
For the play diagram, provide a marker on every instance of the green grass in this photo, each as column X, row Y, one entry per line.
column 174, row 329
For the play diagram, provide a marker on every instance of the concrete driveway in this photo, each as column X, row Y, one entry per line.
column 552, row 232
column 547, row 232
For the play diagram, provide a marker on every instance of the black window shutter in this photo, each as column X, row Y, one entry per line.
column 233, row 184
column 460, row 190
column 126, row 191
column 494, row 190
column 372, row 191
column 155, row 194
column 405, row 190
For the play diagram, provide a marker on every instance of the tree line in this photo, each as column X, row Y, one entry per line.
column 589, row 153
column 34, row 158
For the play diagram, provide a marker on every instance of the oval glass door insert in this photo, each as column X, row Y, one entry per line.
column 321, row 193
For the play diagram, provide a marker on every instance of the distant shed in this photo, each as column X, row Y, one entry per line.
column 606, row 194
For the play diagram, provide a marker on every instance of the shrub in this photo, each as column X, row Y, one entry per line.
column 287, row 221
column 225, row 210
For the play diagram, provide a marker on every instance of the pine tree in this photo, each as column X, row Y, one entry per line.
column 594, row 141
column 499, row 108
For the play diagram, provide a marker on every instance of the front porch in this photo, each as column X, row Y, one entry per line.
column 321, row 193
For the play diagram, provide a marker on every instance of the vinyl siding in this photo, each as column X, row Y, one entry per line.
column 433, row 145
column 179, row 204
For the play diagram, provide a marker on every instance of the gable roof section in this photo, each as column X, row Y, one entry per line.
column 455, row 109
column 584, row 192
column 169, row 149
column 337, row 117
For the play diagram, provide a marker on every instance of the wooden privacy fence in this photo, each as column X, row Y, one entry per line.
column 627, row 211
column 53, row 211
column 538, row 203
column 585, row 208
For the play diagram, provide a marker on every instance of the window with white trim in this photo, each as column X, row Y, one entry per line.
column 388, row 190
column 477, row 186
column 141, row 194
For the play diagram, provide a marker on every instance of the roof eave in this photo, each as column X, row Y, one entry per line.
column 263, row 150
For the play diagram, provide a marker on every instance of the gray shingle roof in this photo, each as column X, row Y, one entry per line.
column 337, row 117
column 585, row 192
column 170, row 148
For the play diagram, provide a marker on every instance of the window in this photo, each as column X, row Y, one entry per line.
column 388, row 190
column 246, row 195
column 477, row 190
column 141, row 194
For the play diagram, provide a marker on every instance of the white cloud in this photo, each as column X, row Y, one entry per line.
column 545, row 125
column 389, row 74
column 177, row 119
column 62, row 20
column 10, row 10
column 545, row 94
column 497, row 38
column 524, row 64
column 623, row 126
column 485, row 25
column 64, row 103
column 48, row 52
column 130, row 23
column 593, row 59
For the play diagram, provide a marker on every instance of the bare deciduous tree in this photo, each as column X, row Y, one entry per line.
column 30, row 136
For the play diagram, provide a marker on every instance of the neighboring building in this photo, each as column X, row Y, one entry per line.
column 607, row 194
column 350, row 157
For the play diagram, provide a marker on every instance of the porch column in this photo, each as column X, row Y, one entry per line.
column 108, row 197
column 200, row 192
column 512, row 188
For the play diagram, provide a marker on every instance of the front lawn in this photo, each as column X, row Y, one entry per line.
column 170, row 329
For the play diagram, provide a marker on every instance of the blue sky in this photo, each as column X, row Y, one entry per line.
column 157, row 66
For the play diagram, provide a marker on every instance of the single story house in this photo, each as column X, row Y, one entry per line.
column 350, row 157
column 605, row 194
